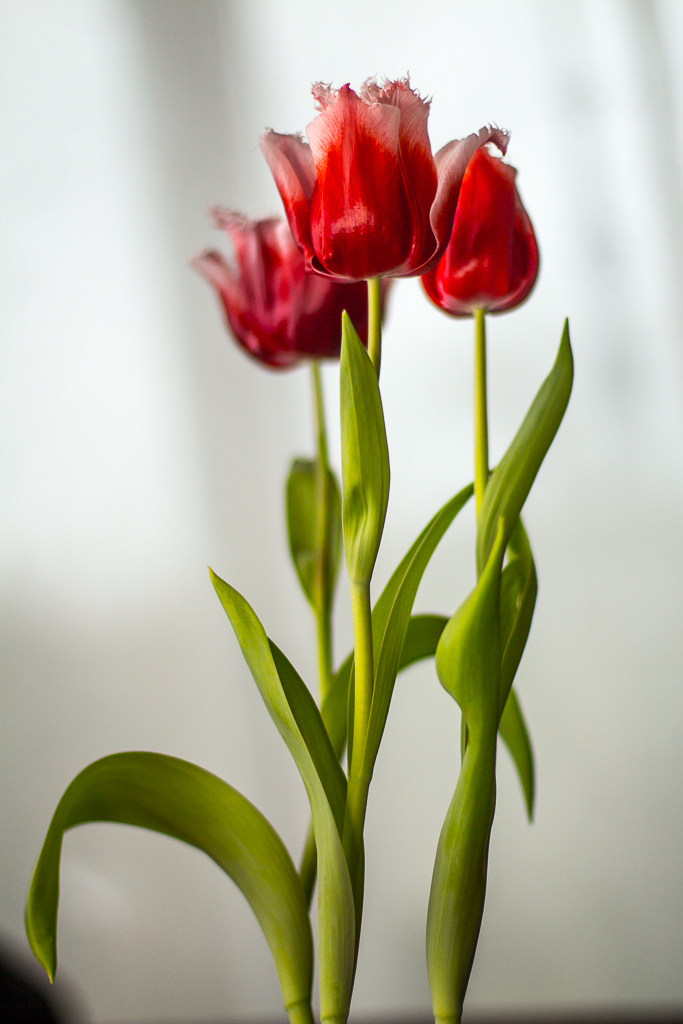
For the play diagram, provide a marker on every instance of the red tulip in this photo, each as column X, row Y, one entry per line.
column 366, row 198
column 491, row 261
column 277, row 310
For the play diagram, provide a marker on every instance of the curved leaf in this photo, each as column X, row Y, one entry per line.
column 365, row 457
column 468, row 665
column 179, row 799
column 512, row 729
column 512, row 479
column 400, row 596
column 336, row 923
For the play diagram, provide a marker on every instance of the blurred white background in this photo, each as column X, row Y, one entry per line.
column 139, row 445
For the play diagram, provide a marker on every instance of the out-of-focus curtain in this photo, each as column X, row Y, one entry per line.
column 138, row 446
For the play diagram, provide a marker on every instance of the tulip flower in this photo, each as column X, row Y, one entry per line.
column 491, row 261
column 278, row 311
column 365, row 198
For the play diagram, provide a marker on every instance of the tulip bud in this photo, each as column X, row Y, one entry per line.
column 491, row 261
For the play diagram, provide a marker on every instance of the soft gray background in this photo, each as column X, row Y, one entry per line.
column 139, row 446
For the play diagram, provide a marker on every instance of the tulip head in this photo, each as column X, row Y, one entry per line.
column 278, row 311
column 365, row 197
column 491, row 261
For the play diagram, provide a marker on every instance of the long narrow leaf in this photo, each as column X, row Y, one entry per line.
column 336, row 924
column 179, row 799
column 365, row 457
column 512, row 729
column 403, row 587
column 468, row 665
column 519, row 588
column 511, row 481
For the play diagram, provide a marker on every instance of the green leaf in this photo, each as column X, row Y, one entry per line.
column 314, row 734
column 468, row 655
column 179, row 799
column 365, row 458
column 468, row 660
column 513, row 731
column 304, row 529
column 519, row 588
column 296, row 722
column 393, row 613
column 512, row 479
column 422, row 637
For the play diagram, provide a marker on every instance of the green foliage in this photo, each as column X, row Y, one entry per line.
column 468, row 666
column 298, row 722
column 513, row 731
column 315, row 545
column 476, row 660
column 391, row 617
column 179, row 799
column 365, row 458
column 514, row 475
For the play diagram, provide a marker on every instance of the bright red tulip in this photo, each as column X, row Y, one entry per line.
column 366, row 198
column 277, row 310
column 491, row 261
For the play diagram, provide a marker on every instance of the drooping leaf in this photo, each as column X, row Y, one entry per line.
column 365, row 457
column 519, row 587
column 308, row 535
column 513, row 731
column 313, row 731
column 336, row 923
column 401, row 591
column 179, row 799
column 511, row 481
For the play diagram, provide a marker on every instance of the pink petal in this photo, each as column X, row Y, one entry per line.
column 292, row 167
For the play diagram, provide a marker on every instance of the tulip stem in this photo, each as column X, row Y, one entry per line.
column 375, row 321
column 481, row 425
column 359, row 779
column 323, row 605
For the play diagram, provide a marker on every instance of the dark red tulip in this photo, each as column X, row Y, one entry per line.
column 277, row 310
column 491, row 261
column 366, row 198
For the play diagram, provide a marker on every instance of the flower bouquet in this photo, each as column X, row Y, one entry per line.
column 365, row 202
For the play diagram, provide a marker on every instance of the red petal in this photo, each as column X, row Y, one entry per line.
column 417, row 163
column 451, row 163
column 491, row 261
column 291, row 165
column 360, row 213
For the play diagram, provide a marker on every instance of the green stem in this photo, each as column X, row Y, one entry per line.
column 456, row 901
column 323, row 612
column 359, row 780
column 375, row 321
column 481, row 427
column 361, row 613
column 301, row 1013
column 323, row 606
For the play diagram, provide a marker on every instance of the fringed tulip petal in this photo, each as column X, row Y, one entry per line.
column 291, row 164
column 360, row 218
column 452, row 162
